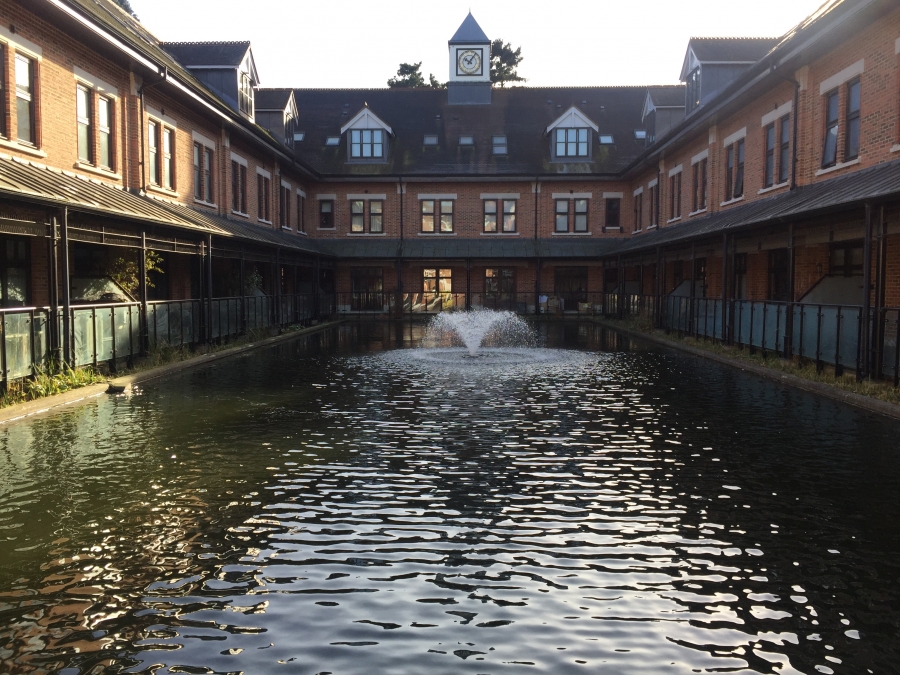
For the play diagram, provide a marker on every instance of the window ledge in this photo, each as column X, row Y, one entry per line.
column 729, row 202
column 777, row 186
column 240, row 213
column 896, row 148
column 837, row 167
column 27, row 149
column 499, row 234
column 106, row 173
column 264, row 221
column 637, row 231
column 367, row 234
column 288, row 229
column 437, row 234
column 612, row 228
column 697, row 212
column 673, row 220
column 652, row 227
column 326, row 229
column 303, row 232
column 571, row 234
column 208, row 205
column 161, row 190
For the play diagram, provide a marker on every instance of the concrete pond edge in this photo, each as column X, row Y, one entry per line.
column 867, row 403
column 53, row 404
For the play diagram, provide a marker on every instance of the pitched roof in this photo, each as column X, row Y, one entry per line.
column 469, row 32
column 24, row 179
column 272, row 99
column 522, row 114
column 198, row 54
column 667, row 96
column 731, row 50
column 844, row 192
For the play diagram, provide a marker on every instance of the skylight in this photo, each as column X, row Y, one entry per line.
column 606, row 139
column 333, row 140
column 430, row 139
column 299, row 136
column 640, row 134
column 467, row 140
column 499, row 143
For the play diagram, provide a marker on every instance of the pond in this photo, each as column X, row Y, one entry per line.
column 329, row 505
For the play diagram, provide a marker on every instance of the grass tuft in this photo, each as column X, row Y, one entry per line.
column 877, row 389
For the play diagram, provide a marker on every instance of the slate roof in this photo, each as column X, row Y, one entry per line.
column 469, row 32
column 195, row 54
column 521, row 113
column 20, row 178
column 425, row 248
column 731, row 49
column 841, row 193
column 272, row 99
column 667, row 96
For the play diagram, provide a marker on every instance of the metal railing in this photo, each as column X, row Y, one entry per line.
column 108, row 333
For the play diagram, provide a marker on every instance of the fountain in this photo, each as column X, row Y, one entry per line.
column 476, row 328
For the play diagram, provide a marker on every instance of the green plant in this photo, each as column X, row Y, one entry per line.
column 49, row 379
column 126, row 271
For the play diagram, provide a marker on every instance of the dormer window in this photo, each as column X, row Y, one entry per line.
column 692, row 93
column 245, row 95
column 572, row 142
column 366, row 143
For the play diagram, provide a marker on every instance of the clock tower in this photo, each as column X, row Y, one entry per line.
column 470, row 65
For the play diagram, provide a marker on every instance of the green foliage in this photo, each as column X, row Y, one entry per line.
column 126, row 271
column 49, row 379
column 126, row 5
column 409, row 76
column 253, row 281
column 504, row 63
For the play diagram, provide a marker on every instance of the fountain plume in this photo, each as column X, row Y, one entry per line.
column 478, row 328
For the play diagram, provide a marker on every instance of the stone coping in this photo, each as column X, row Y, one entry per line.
column 56, row 403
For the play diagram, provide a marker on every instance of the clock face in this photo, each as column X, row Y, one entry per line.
column 469, row 61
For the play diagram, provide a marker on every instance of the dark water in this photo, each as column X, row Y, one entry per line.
column 322, row 508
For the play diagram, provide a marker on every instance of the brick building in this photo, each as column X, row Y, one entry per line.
column 753, row 200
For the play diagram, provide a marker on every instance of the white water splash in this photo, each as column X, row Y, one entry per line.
column 477, row 328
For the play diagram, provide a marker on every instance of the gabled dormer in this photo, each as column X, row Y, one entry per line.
column 368, row 137
column 663, row 109
column 571, row 137
column 276, row 110
column 227, row 68
column 711, row 64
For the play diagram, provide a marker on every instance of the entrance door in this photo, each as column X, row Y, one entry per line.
column 368, row 287
column 571, row 286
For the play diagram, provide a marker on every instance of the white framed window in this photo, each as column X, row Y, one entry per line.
column 366, row 143
column 572, row 142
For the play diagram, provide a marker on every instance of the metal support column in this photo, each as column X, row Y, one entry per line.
column 209, row 285
column 789, row 314
column 658, row 276
column 865, row 324
column 278, row 312
column 880, row 290
column 142, row 285
column 620, row 299
column 55, row 345
column 537, row 287
column 243, row 293
column 204, row 325
column 725, row 269
column 399, row 288
column 468, row 284
column 693, row 292
column 66, row 291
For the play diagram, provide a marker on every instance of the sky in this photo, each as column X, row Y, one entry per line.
column 360, row 43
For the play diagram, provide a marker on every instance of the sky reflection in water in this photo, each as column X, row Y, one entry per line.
column 325, row 506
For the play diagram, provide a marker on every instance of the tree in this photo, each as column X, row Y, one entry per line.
column 126, row 271
column 126, row 5
column 504, row 62
column 409, row 76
